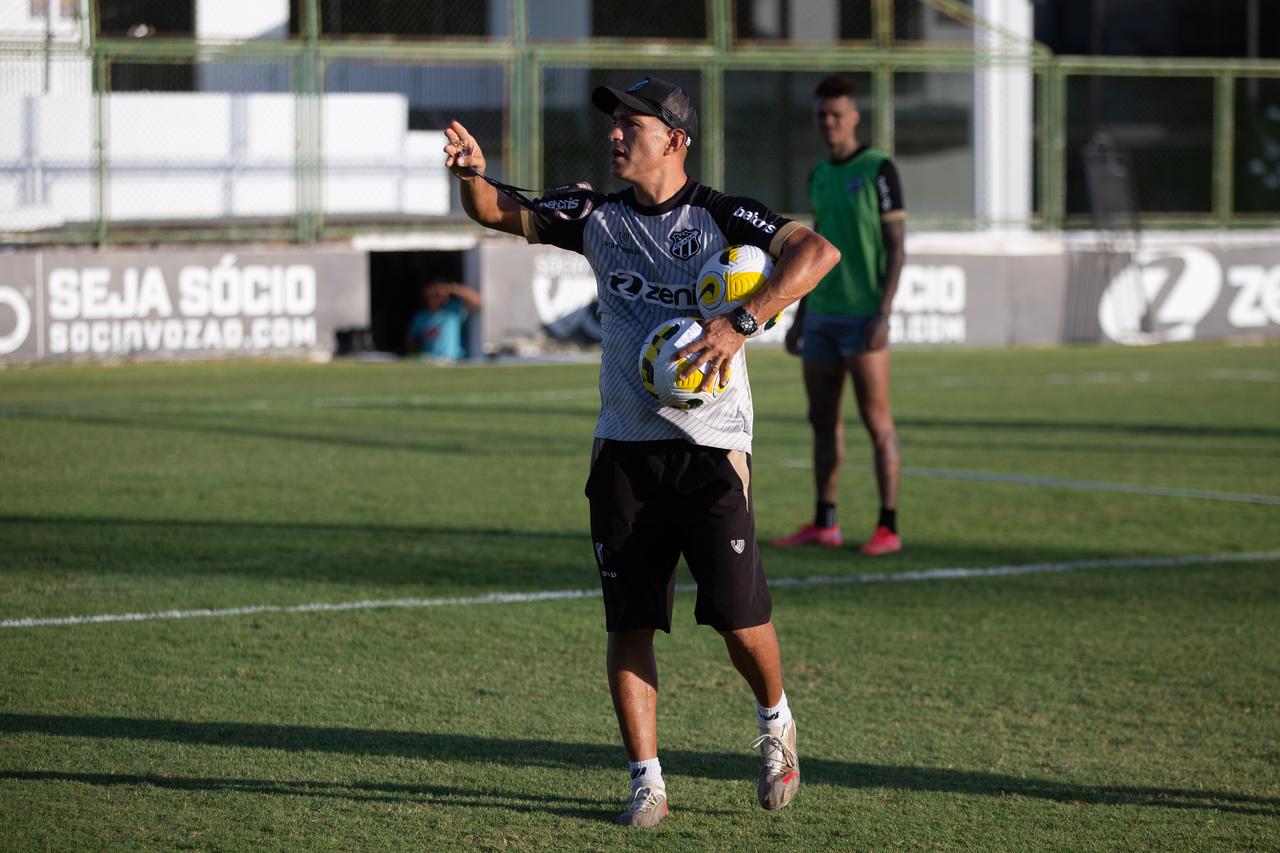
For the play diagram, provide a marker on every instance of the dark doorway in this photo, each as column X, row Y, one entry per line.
column 395, row 292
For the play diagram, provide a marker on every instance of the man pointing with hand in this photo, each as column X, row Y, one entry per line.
column 664, row 481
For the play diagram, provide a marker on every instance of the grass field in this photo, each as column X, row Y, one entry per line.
column 1130, row 700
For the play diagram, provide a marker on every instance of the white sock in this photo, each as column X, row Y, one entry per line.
column 647, row 772
column 772, row 718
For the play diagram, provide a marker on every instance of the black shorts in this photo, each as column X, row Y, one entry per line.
column 651, row 502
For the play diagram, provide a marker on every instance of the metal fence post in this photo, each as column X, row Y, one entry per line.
column 882, row 77
column 308, row 90
column 524, row 159
column 1056, row 201
column 1044, row 148
column 1224, row 141
column 711, row 120
column 102, row 201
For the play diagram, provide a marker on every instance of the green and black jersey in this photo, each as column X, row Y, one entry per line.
column 850, row 201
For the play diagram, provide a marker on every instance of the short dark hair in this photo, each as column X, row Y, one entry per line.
column 834, row 86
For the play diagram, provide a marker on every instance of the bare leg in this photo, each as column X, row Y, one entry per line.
column 754, row 652
column 824, row 385
column 871, row 385
column 633, row 682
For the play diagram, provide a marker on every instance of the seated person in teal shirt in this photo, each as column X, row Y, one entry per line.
column 436, row 330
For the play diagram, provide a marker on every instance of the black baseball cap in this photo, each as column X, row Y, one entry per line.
column 652, row 96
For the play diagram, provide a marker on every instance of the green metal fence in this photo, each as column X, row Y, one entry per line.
column 1204, row 135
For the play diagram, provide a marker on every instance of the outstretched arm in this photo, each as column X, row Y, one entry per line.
column 806, row 257
column 481, row 201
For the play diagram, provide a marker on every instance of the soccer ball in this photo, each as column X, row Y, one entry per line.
column 661, row 376
column 730, row 278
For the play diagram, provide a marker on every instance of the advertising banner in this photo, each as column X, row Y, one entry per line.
column 86, row 305
column 1184, row 293
column 537, row 293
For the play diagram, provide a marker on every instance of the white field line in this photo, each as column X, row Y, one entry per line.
column 569, row 594
column 1060, row 483
column 1132, row 377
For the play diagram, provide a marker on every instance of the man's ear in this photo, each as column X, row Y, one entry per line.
column 677, row 140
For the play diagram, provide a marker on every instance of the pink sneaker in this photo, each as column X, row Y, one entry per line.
column 883, row 541
column 811, row 534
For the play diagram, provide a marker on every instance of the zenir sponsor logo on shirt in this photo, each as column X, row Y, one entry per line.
column 631, row 285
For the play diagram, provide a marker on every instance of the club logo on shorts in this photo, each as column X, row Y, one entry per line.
column 685, row 244
column 738, row 544
column 600, row 554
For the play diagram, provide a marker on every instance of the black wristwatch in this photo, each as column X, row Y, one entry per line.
column 744, row 321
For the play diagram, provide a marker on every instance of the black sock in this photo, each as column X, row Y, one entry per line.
column 889, row 519
column 825, row 515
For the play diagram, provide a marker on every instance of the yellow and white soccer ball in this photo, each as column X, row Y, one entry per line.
column 661, row 376
column 730, row 278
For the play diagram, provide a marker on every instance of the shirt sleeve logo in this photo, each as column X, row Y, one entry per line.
column 755, row 219
column 686, row 243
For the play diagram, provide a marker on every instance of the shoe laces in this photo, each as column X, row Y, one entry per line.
column 775, row 752
column 645, row 798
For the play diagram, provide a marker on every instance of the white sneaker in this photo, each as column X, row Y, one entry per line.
column 647, row 808
column 779, row 766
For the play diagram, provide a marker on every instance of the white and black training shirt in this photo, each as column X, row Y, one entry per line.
column 646, row 261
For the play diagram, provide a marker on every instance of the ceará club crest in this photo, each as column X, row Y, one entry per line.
column 686, row 243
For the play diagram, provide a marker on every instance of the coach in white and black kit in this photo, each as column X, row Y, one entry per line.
column 667, row 481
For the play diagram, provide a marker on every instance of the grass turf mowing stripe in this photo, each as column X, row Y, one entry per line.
column 954, row 573
column 1094, row 485
column 405, row 401
column 409, row 401
column 1060, row 483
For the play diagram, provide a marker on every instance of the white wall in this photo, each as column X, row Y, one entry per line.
column 208, row 156
column 223, row 20
column 18, row 24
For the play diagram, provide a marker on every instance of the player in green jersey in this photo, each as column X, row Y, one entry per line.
column 842, row 327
